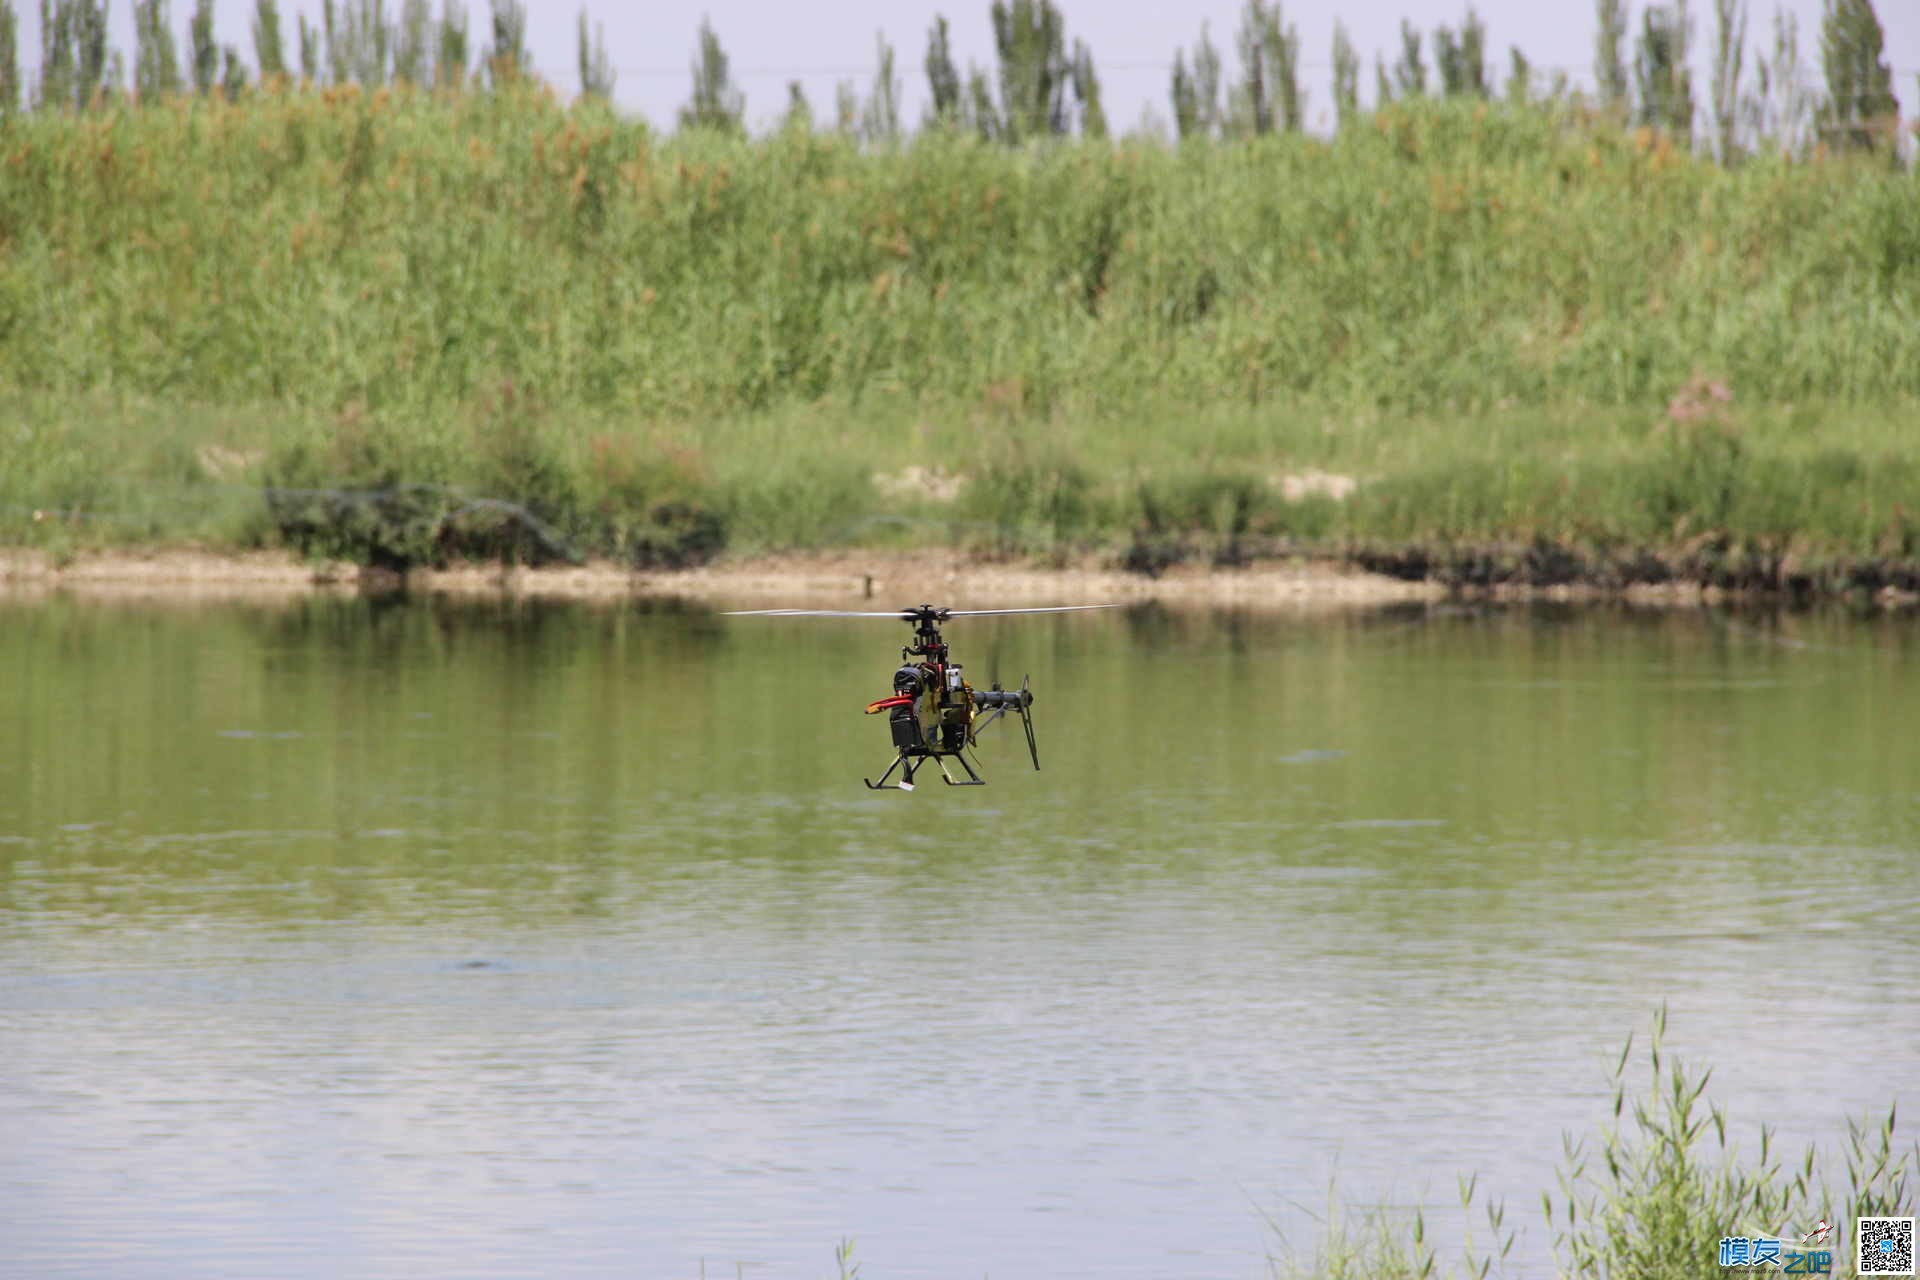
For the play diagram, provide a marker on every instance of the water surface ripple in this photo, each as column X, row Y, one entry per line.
column 424, row 939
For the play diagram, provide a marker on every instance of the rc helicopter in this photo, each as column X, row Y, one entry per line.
column 933, row 713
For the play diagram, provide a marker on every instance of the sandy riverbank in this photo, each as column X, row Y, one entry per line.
column 840, row 579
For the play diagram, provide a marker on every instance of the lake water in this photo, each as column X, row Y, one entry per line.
column 393, row 938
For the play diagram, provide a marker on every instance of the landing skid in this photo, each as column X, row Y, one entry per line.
column 912, row 762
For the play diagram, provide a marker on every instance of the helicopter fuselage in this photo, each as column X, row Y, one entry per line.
column 933, row 711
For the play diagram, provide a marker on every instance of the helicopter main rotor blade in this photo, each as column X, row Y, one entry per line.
column 1056, row 608
column 815, row 613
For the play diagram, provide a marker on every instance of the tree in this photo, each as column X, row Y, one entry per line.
column 413, row 43
column 1661, row 72
column 846, row 110
column 1462, row 58
column 943, row 78
column 1086, row 92
column 338, row 71
column 89, row 50
column 360, row 42
column 596, row 68
column 507, row 57
column 716, row 103
column 233, row 79
column 1410, row 73
column 1609, row 56
column 156, row 61
column 1196, row 94
column 1268, row 95
column 55, row 88
column 269, row 52
column 799, row 116
column 450, row 47
column 1729, row 56
column 309, row 37
column 1346, row 76
column 1253, row 103
column 880, row 119
column 1780, row 104
column 205, row 53
column 1029, row 37
column 1520, row 78
column 981, row 112
column 1860, row 109
column 9, row 58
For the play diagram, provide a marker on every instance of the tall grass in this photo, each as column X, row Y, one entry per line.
column 434, row 302
column 407, row 252
column 1649, row 1196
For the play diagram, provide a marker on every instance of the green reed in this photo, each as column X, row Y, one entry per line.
column 1511, row 328
column 410, row 252
column 1647, row 1197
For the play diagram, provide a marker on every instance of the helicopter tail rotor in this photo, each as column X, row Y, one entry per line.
column 1026, row 721
column 999, row 702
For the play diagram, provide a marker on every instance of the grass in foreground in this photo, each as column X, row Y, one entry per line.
column 1650, row 1196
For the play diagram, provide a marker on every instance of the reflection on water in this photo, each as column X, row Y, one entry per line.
column 390, row 938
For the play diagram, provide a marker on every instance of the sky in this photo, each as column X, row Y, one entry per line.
column 822, row 42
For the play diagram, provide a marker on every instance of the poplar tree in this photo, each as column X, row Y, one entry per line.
column 596, row 68
column 332, row 30
column 943, row 78
column 716, row 103
column 799, row 114
column 1729, row 57
column 56, row 55
column 846, row 110
column 309, row 37
column 507, row 57
column 1268, row 96
column 367, row 38
column 1519, row 78
column 413, row 43
column 1410, row 73
column 156, row 60
column 205, row 54
column 1029, row 37
column 1196, row 93
column 450, row 47
column 880, row 118
column 982, row 114
column 269, row 52
column 1346, row 77
column 233, row 79
column 89, row 50
column 1609, row 55
column 1253, row 105
column 9, row 58
column 1780, row 104
column 1086, row 92
column 1860, row 107
column 1462, row 58
column 1661, row 72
